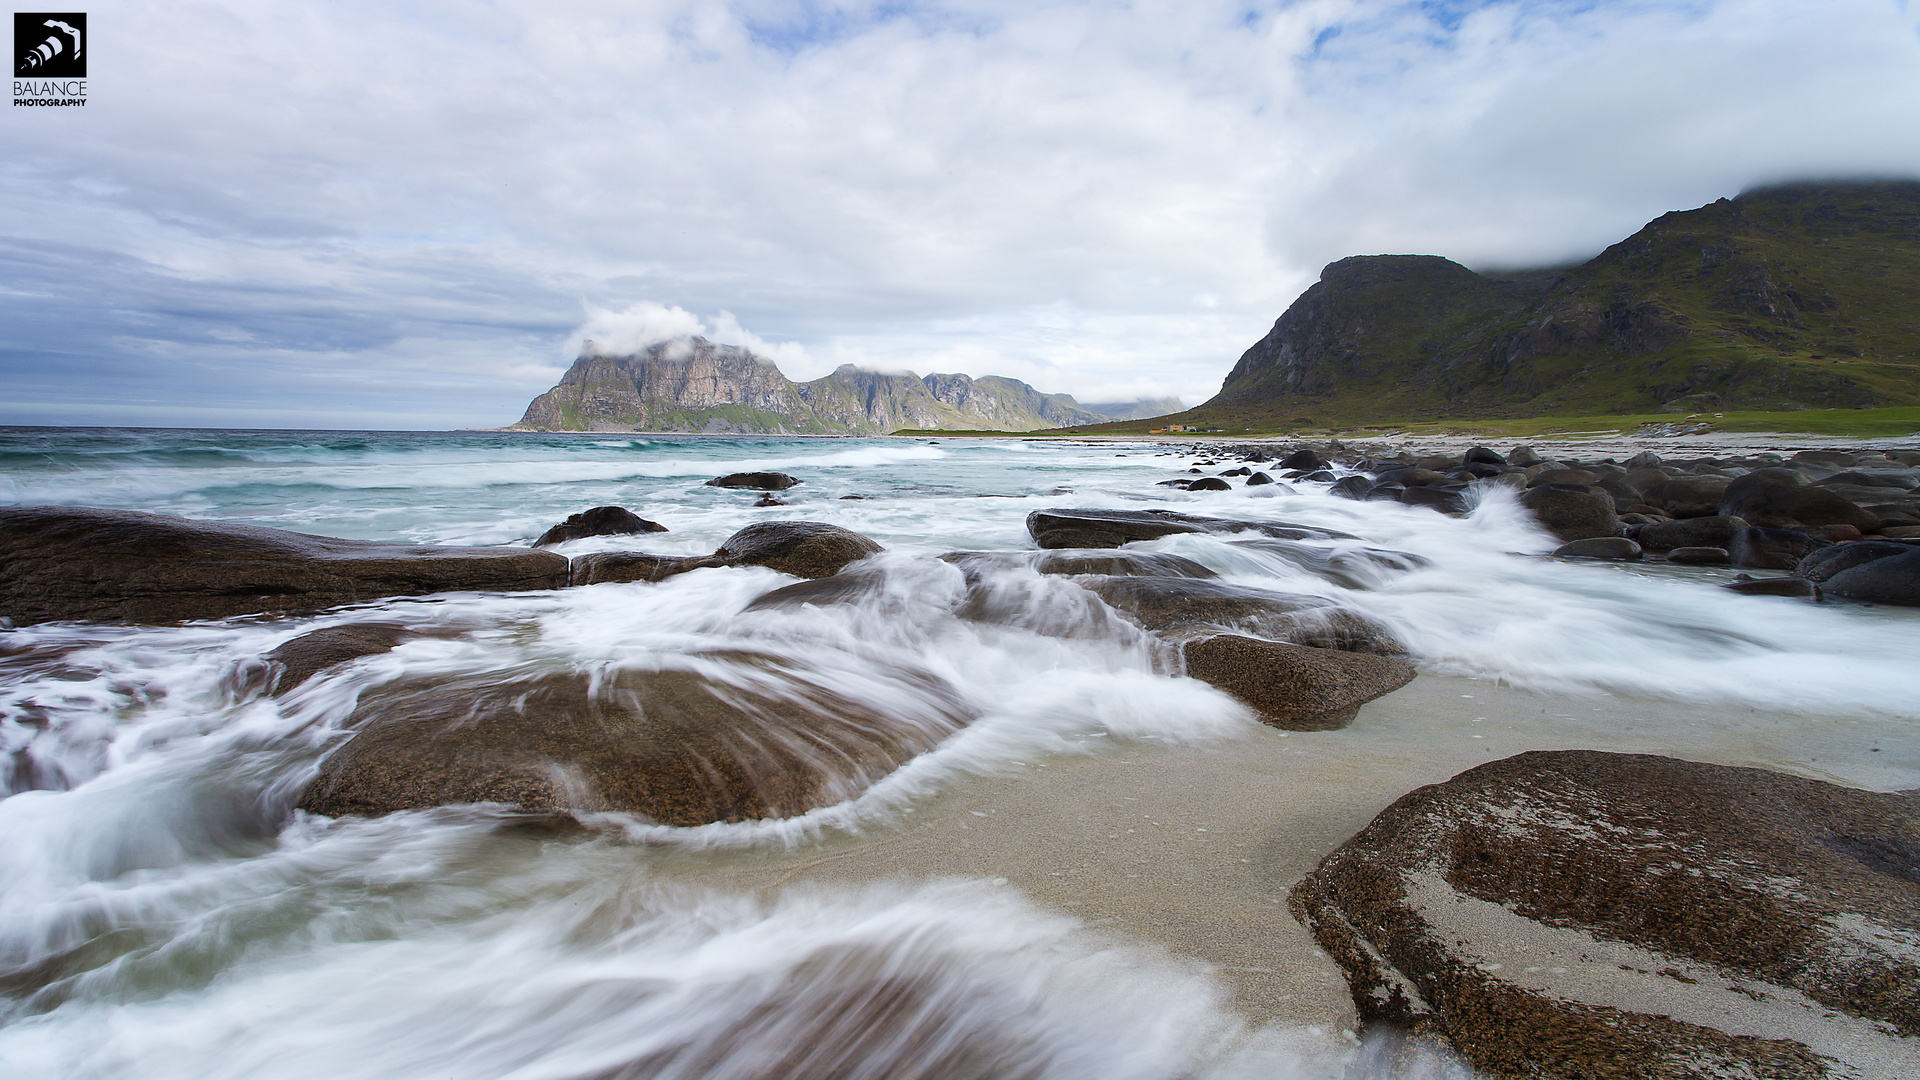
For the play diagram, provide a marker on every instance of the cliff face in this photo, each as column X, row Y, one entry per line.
column 1797, row 296
column 692, row 384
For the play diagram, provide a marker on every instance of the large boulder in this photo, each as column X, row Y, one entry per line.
column 672, row 746
column 599, row 521
column 1600, row 547
column 1584, row 914
column 1757, row 547
column 1084, row 528
column 1782, row 497
column 809, row 549
column 1294, row 687
column 79, row 562
column 1184, row 608
column 754, row 481
column 1893, row 579
column 1822, row 563
column 1689, row 496
column 1573, row 512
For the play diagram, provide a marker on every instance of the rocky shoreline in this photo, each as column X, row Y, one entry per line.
column 1800, row 897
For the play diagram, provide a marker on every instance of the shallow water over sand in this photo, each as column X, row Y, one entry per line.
column 164, row 911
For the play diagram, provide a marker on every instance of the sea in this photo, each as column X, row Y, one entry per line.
column 165, row 911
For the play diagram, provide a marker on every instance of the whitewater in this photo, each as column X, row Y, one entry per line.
column 1023, row 900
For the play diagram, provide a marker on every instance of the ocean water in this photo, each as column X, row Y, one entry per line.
column 164, row 911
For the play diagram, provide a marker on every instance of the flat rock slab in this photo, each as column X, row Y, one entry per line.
column 1088, row 528
column 84, row 563
column 678, row 747
column 1576, row 913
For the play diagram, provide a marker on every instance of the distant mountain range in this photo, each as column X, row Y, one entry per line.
column 1794, row 296
column 692, row 384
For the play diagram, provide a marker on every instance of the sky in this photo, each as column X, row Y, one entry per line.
column 411, row 214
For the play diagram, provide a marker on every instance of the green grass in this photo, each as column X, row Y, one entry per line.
column 1842, row 423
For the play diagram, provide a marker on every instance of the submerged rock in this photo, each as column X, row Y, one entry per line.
column 754, row 481
column 1793, row 587
column 1081, row 528
column 599, row 521
column 1577, row 913
column 672, row 746
column 1103, row 561
column 1180, row 607
column 79, row 562
column 1294, row 687
column 1352, row 568
column 302, row 658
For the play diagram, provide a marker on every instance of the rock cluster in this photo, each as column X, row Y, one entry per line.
column 1759, row 512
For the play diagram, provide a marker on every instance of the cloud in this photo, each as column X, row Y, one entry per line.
column 269, row 203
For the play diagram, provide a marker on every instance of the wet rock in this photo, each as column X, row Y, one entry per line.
column 1781, row 497
column 1701, row 555
column 1584, row 914
column 1259, row 479
column 1573, row 513
column 77, row 562
column 1351, row 487
column 1483, row 455
column 1185, row 608
column 1599, row 547
column 756, row 481
column 809, row 549
column 1209, row 483
column 1645, row 459
column 1446, row 500
column 599, row 521
column 1690, row 496
column 1822, row 563
column 1717, row 531
column 1241, row 471
column 1523, row 456
column 1304, row 460
column 1759, row 548
column 1894, row 579
column 301, row 658
column 1082, row 528
column 1352, row 568
column 672, row 746
column 1106, row 562
column 1563, row 476
column 1294, row 687
column 769, row 500
column 1793, row 587
column 1181, row 484
column 602, row 567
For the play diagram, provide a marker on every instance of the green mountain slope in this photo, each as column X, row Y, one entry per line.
column 1797, row 296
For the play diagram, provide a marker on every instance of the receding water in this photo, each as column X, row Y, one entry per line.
column 164, row 911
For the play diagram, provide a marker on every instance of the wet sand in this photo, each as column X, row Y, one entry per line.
column 1195, row 848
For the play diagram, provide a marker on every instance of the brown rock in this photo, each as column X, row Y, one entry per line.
column 302, row 658
column 1599, row 547
column 1294, row 687
column 1584, row 914
column 809, row 549
column 669, row 745
column 618, row 566
column 1087, row 528
column 1699, row 555
column 78, row 562
column 1792, row 587
column 1181, row 607
column 1689, row 496
column 1714, row 531
column 1106, row 562
column 1781, row 497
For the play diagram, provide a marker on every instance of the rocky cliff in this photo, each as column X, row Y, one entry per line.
column 691, row 384
column 1795, row 296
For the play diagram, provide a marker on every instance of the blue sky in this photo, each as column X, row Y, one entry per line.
column 409, row 215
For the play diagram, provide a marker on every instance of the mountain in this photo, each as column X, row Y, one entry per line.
column 1794, row 296
column 1143, row 409
column 692, row 384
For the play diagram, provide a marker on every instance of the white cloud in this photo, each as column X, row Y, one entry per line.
column 1101, row 199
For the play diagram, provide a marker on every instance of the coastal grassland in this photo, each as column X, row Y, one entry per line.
column 1840, row 423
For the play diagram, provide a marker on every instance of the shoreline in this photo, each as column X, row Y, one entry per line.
column 1194, row 848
